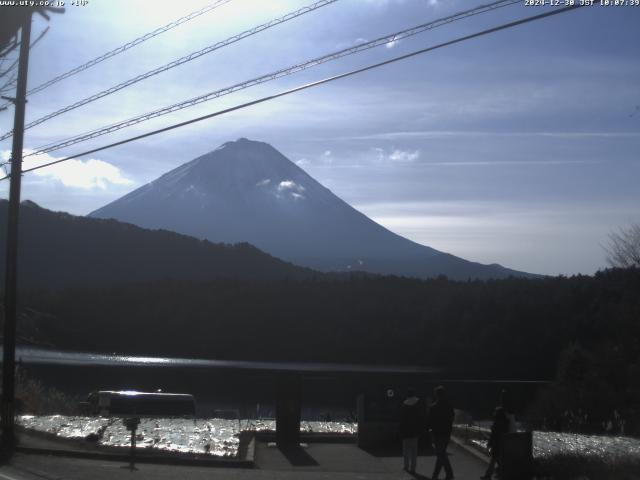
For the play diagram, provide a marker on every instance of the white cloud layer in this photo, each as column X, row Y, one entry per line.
column 490, row 232
column 290, row 185
column 303, row 162
column 291, row 188
column 87, row 175
column 404, row 156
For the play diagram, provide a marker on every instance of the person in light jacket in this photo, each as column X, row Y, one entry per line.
column 411, row 424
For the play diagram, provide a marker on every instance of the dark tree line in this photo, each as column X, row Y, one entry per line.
column 514, row 328
column 58, row 251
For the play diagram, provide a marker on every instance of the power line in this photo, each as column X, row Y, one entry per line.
column 178, row 62
column 129, row 45
column 273, row 76
column 125, row 47
column 311, row 85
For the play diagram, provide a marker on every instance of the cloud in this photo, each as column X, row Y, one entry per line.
column 404, row 156
column 483, row 163
column 350, row 43
column 264, row 182
column 292, row 188
column 508, row 233
column 424, row 134
column 303, row 162
column 396, row 155
column 87, row 175
column 379, row 154
column 382, row 3
column 290, row 185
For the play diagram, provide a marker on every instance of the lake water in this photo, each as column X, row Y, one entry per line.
column 328, row 388
column 35, row 356
column 213, row 436
column 602, row 456
column 220, row 437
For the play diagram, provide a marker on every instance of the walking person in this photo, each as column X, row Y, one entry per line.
column 441, row 423
column 505, row 403
column 411, row 422
column 498, row 429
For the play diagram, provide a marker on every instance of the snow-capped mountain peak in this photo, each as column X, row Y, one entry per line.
column 247, row 191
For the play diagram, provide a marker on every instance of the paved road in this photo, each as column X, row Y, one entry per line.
column 318, row 461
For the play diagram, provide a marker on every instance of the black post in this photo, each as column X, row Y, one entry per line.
column 288, row 404
column 10, row 286
column 516, row 456
column 131, row 423
column 132, row 458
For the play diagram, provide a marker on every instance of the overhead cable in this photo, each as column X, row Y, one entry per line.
column 393, row 37
column 127, row 46
column 178, row 62
column 310, row 85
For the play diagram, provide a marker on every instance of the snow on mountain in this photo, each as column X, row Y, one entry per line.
column 247, row 191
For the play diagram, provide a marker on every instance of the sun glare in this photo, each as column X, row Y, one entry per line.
column 240, row 11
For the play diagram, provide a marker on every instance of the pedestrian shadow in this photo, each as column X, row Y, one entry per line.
column 298, row 456
column 419, row 476
column 396, row 451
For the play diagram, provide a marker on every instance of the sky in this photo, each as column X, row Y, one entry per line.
column 519, row 148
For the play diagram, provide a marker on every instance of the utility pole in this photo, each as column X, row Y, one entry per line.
column 10, row 288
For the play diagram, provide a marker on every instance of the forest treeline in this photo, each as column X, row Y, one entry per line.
column 59, row 250
column 583, row 331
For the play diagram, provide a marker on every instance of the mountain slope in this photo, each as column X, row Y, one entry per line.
column 61, row 250
column 247, row 191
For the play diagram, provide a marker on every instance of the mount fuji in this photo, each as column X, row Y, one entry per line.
column 247, row 191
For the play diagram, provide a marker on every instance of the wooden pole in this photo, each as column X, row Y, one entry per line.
column 10, row 288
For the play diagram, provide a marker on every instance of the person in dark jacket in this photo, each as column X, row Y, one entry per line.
column 441, row 423
column 498, row 429
column 411, row 423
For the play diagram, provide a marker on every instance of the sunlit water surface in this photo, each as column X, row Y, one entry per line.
column 606, row 456
column 220, row 437
column 213, row 436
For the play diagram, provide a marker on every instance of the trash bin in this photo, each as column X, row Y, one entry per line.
column 516, row 456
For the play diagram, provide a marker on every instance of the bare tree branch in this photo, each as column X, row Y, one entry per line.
column 9, row 68
column 42, row 34
column 5, row 71
column 624, row 247
column 9, row 85
column 9, row 49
